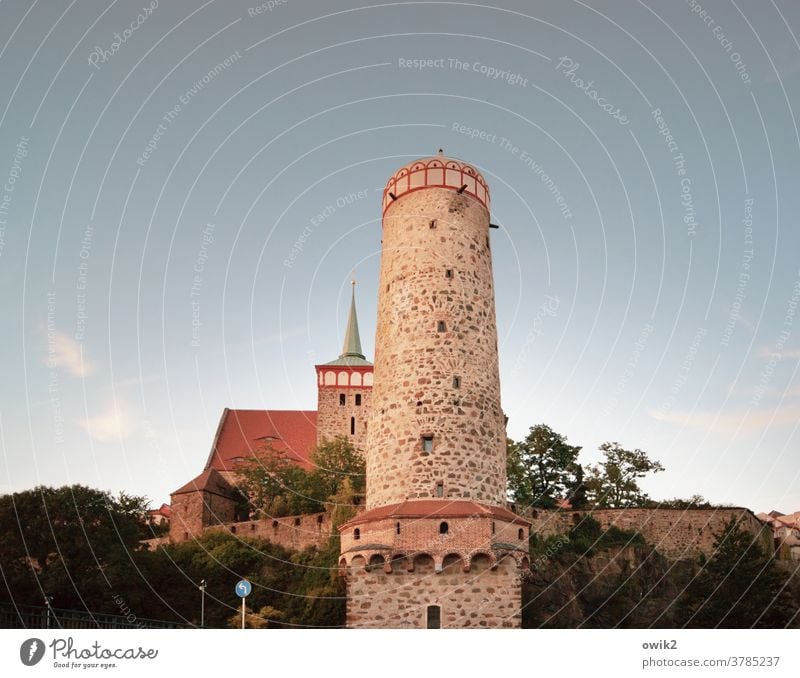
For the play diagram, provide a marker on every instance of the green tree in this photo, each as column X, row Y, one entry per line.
column 542, row 468
column 336, row 461
column 72, row 543
column 278, row 487
column 614, row 482
column 740, row 586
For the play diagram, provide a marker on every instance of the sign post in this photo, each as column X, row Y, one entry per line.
column 243, row 589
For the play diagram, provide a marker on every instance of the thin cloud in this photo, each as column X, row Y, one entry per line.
column 785, row 354
column 64, row 352
column 114, row 424
column 730, row 423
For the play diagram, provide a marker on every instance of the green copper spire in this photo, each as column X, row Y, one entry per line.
column 352, row 340
column 351, row 350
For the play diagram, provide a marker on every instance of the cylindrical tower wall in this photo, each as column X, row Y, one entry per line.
column 436, row 428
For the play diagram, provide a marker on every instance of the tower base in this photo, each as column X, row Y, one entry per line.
column 435, row 564
column 484, row 597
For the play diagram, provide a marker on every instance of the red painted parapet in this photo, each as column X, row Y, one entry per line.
column 436, row 172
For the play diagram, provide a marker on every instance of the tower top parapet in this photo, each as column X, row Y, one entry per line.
column 436, row 171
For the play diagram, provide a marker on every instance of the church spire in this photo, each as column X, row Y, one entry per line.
column 352, row 340
column 351, row 354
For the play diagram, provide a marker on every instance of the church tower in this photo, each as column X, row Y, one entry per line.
column 437, row 546
column 344, row 388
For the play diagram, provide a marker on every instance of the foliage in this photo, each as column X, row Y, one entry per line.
column 564, row 580
column 613, row 483
column 542, row 468
column 81, row 547
column 278, row 487
column 696, row 501
column 72, row 543
column 738, row 587
column 336, row 461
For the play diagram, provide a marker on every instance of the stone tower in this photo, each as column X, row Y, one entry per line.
column 344, row 388
column 437, row 546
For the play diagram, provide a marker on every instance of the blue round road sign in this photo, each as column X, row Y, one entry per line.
column 243, row 588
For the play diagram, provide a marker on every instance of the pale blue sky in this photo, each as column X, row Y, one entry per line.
column 617, row 319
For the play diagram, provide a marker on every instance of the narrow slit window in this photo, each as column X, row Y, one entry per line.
column 342, row 400
column 397, row 528
column 352, row 426
column 427, row 443
column 358, row 400
column 356, row 534
column 434, row 617
column 432, row 223
column 448, row 273
column 441, row 327
column 440, row 489
column 521, row 534
column 456, row 382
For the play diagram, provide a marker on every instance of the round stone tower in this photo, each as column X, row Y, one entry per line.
column 437, row 546
column 436, row 428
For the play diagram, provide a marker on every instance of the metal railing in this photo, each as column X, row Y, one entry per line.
column 43, row 617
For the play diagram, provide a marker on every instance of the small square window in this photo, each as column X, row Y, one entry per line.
column 440, row 489
column 432, row 223
column 427, row 443
column 342, row 400
column 358, row 400
column 448, row 273
column 441, row 327
column 456, row 382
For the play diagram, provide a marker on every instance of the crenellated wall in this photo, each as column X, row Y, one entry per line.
column 296, row 533
column 676, row 533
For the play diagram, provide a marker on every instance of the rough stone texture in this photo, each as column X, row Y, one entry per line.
column 414, row 393
column 675, row 533
column 193, row 511
column 484, row 597
column 293, row 532
column 333, row 419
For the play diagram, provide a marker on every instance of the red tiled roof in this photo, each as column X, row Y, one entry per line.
column 164, row 510
column 210, row 481
column 243, row 433
column 436, row 508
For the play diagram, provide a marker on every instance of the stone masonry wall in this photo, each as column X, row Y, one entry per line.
column 481, row 598
column 436, row 268
column 296, row 533
column 333, row 419
column 192, row 511
column 676, row 533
